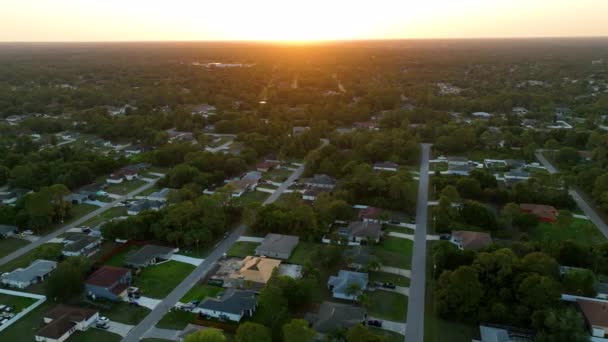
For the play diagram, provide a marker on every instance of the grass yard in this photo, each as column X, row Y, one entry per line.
column 48, row 251
column 389, row 278
column 200, row 292
column 149, row 191
column 95, row 335
column 395, row 252
column 403, row 230
column 105, row 216
column 25, row 328
column 158, row 281
column 242, row 249
column 79, row 210
column 581, row 231
column 304, row 252
column 251, row 197
column 277, row 175
column 17, row 302
column 118, row 259
column 124, row 187
column 387, row 305
column 389, row 335
column 7, row 246
column 175, row 319
column 125, row 313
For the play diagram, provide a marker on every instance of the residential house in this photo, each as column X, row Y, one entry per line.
column 460, row 161
column 76, row 198
column 370, row 214
column 137, row 149
column 299, row 130
column 63, row 321
column 272, row 158
column 596, row 316
column 515, row 163
column 601, row 290
column 13, row 195
column 516, row 176
column 256, row 270
column 482, row 115
column 7, row 231
column 36, row 272
column 543, row 212
column 204, row 110
column 368, row 125
column 348, row 285
column 361, row 232
column 234, row 305
column 469, row 240
column 320, row 181
column 277, row 246
column 264, row 166
column 108, row 282
column 311, row 194
column 497, row 333
column 159, row 196
column 386, row 166
column 333, row 317
column 461, row 170
column 247, row 183
column 359, row 257
column 520, row 111
column 149, row 255
column 81, row 245
column 143, row 205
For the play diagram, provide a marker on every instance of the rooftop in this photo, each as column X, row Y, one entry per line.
column 107, row 276
column 37, row 268
column 256, row 269
column 472, row 240
column 146, row 253
column 64, row 318
column 595, row 312
column 233, row 301
column 278, row 243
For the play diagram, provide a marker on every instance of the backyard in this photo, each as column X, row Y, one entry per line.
column 124, row 187
column 304, row 252
column 24, row 329
column 242, row 249
column 7, row 246
column 394, row 252
column 581, row 231
column 17, row 302
column 159, row 280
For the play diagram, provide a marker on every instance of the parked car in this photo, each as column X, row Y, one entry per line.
column 374, row 323
column 28, row 232
column 103, row 319
column 444, row 236
column 102, row 325
column 388, row 285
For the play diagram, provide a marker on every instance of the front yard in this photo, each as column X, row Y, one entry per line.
column 387, row 305
column 124, row 187
column 159, row 280
column 200, row 292
column 7, row 246
column 175, row 319
column 242, row 249
column 48, row 251
column 389, row 278
column 251, row 197
column 106, row 216
column 94, row 335
column 394, row 252
column 79, row 210
column 277, row 175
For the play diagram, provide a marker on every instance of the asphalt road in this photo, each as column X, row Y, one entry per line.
column 580, row 201
column 71, row 225
column 415, row 311
column 201, row 271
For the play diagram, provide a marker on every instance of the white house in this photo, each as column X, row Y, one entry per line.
column 63, row 321
column 234, row 305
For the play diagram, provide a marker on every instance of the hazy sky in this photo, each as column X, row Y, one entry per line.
column 109, row 20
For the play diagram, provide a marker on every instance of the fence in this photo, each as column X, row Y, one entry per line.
column 41, row 299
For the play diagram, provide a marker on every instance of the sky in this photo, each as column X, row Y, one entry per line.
column 293, row 20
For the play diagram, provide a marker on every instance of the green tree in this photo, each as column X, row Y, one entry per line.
column 206, row 335
column 360, row 333
column 297, row 330
column 459, row 293
column 67, row 281
column 579, row 282
column 252, row 332
column 538, row 292
column 559, row 325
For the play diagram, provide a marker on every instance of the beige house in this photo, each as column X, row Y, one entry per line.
column 256, row 269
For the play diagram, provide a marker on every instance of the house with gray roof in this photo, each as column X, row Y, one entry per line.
column 143, row 205
column 81, row 245
column 277, row 246
column 457, row 169
column 36, row 272
column 348, row 285
column 234, row 305
column 359, row 231
column 76, row 198
column 160, row 196
column 359, row 257
column 7, row 231
column 149, row 255
column 334, row 317
column 320, row 181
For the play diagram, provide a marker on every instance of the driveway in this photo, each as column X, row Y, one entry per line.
column 397, row 327
column 163, row 334
column 415, row 309
column 148, row 302
column 118, row 328
column 397, row 271
column 398, row 289
column 187, row 259
column 251, row 239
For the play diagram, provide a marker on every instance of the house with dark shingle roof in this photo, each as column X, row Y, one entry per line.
column 108, row 282
column 336, row 317
column 149, row 255
column 358, row 232
column 277, row 246
column 320, row 181
column 7, row 231
column 81, row 245
column 233, row 305
column 36, row 272
column 62, row 321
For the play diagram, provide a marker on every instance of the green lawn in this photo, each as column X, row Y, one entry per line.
column 304, row 252
column 25, row 328
column 389, row 335
column 175, row 319
column 277, row 175
column 17, row 302
column 7, row 246
column 581, row 231
column 125, row 313
column 105, row 216
column 387, row 305
column 94, row 335
column 200, row 292
column 251, row 197
column 124, row 187
column 118, row 259
column 149, row 191
column 158, row 281
column 395, row 252
column 389, row 278
column 242, row 249
column 79, row 210
column 49, row 251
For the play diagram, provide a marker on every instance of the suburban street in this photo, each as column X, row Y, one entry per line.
column 201, row 271
column 415, row 312
column 580, row 201
column 74, row 224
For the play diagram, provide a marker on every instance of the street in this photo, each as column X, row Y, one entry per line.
column 415, row 311
column 585, row 207
column 74, row 224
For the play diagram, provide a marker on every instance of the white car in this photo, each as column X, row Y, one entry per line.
column 28, row 232
column 103, row 319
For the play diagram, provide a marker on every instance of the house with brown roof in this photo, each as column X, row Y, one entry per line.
column 63, row 320
column 256, row 270
column 545, row 213
column 108, row 282
column 370, row 214
column 596, row 316
column 466, row 240
column 357, row 232
column 264, row 166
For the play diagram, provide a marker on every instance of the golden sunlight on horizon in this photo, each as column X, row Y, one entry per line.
column 297, row 21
